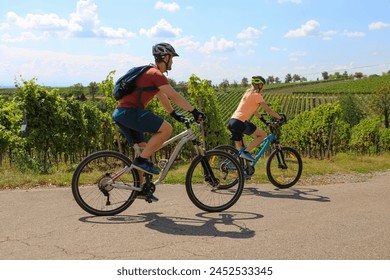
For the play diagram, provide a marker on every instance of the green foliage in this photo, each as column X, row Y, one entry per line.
column 384, row 139
column 365, row 136
column 62, row 129
column 44, row 118
column 93, row 89
column 351, row 112
column 365, row 85
column 56, row 127
column 10, row 124
column 317, row 133
column 108, row 127
column 203, row 97
column 380, row 102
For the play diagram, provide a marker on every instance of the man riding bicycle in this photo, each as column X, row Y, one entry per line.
column 134, row 120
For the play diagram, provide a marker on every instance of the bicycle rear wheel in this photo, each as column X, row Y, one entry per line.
column 284, row 167
column 207, row 178
column 234, row 152
column 231, row 150
column 90, row 188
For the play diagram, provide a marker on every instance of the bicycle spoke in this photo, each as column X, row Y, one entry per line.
column 90, row 184
column 208, row 190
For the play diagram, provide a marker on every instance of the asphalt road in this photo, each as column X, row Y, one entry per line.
column 347, row 221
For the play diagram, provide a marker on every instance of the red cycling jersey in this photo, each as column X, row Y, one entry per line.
column 152, row 77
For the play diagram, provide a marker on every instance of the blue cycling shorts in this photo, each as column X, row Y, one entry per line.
column 133, row 122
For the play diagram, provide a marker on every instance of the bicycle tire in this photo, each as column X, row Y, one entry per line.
column 215, row 197
column 281, row 176
column 231, row 150
column 89, row 176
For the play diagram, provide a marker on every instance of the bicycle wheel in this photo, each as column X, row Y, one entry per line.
column 284, row 167
column 89, row 188
column 234, row 152
column 231, row 150
column 207, row 178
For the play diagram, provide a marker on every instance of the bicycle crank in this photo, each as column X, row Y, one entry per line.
column 147, row 190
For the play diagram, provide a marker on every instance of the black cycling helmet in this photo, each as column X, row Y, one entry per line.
column 162, row 49
column 258, row 80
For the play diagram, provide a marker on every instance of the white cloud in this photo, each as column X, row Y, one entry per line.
column 39, row 22
column 354, row 34
column 24, row 36
column 187, row 43
column 215, row 45
column 4, row 25
column 120, row 33
column 378, row 25
column 84, row 22
column 59, row 68
column 161, row 29
column 296, row 55
column 247, row 43
column 171, row 7
column 85, row 19
column 276, row 49
column 328, row 33
column 249, row 33
column 310, row 28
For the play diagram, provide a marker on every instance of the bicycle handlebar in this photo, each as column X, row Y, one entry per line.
column 188, row 121
column 273, row 123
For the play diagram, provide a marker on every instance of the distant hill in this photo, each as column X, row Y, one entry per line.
column 295, row 98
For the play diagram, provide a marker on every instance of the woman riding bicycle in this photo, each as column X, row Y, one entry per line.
column 239, row 124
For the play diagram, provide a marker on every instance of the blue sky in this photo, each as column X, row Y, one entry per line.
column 67, row 42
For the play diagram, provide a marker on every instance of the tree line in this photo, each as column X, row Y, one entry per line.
column 42, row 129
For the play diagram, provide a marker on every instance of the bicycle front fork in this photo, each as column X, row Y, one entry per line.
column 208, row 173
column 280, row 156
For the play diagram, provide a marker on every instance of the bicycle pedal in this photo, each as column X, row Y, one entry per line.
column 151, row 199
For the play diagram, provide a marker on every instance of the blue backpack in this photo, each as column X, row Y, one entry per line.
column 127, row 83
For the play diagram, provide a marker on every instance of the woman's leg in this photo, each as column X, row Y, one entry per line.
column 258, row 135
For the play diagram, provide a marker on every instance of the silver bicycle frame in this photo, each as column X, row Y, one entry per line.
column 184, row 137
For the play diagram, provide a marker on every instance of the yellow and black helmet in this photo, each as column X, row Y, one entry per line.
column 258, row 80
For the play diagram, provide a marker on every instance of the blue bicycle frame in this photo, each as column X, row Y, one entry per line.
column 270, row 138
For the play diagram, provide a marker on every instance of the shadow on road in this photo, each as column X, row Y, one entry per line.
column 222, row 224
column 300, row 194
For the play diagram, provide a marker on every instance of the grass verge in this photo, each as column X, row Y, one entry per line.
column 340, row 164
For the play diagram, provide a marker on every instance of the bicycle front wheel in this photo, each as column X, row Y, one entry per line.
column 91, row 189
column 207, row 178
column 284, row 167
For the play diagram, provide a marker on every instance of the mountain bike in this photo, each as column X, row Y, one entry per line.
column 105, row 182
column 284, row 164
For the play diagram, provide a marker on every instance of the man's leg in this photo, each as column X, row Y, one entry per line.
column 157, row 139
